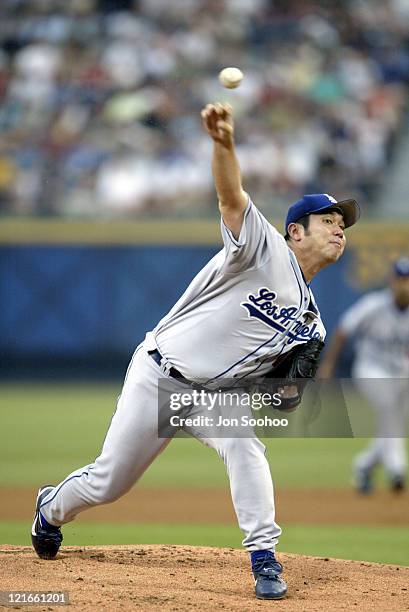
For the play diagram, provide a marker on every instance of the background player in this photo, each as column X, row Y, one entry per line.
column 250, row 305
column 378, row 323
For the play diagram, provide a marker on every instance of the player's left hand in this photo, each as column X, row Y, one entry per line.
column 217, row 120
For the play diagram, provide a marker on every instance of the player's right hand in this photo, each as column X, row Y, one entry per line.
column 217, row 120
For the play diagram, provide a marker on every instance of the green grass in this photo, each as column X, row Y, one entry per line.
column 381, row 544
column 377, row 544
column 47, row 431
column 99, row 534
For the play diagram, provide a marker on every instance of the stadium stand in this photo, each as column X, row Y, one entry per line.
column 100, row 101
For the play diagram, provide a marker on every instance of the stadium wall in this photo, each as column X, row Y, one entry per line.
column 77, row 298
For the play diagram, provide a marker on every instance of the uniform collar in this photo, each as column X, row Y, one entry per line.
column 308, row 297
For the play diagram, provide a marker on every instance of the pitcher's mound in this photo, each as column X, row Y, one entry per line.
column 195, row 578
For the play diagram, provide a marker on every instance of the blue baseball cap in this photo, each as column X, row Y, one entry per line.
column 318, row 202
column 401, row 267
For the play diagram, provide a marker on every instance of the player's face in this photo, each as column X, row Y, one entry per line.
column 325, row 236
column 400, row 289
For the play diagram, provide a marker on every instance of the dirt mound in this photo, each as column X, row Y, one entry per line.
column 196, row 578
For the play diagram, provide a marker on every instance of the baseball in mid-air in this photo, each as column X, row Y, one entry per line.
column 230, row 77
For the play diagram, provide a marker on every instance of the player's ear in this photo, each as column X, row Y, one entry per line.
column 295, row 231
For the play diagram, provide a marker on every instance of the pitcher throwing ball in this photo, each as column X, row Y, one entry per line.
column 248, row 308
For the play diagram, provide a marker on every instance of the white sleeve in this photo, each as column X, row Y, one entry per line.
column 256, row 243
column 358, row 314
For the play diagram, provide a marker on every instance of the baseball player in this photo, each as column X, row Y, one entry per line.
column 378, row 323
column 249, row 306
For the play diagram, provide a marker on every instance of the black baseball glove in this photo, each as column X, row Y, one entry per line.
column 291, row 375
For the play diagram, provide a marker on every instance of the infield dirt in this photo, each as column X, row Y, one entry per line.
column 187, row 506
column 194, row 578
column 197, row 578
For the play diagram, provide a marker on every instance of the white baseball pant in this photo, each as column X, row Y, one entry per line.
column 389, row 399
column 132, row 443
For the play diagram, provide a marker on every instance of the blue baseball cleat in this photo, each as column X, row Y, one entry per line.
column 266, row 571
column 362, row 481
column 46, row 538
column 397, row 484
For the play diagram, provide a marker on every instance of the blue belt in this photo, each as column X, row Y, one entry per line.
column 173, row 372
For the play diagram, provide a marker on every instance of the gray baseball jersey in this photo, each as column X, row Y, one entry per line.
column 382, row 333
column 248, row 305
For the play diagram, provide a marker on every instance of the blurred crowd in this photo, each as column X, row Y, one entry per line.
column 100, row 101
